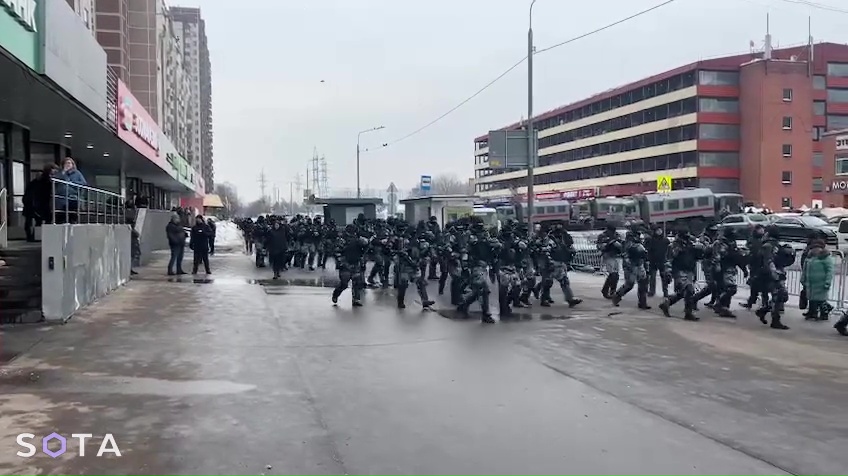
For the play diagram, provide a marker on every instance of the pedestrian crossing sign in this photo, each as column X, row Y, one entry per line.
column 663, row 184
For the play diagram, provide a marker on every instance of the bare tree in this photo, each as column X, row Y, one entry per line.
column 229, row 196
column 445, row 184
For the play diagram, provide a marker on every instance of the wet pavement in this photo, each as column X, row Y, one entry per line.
column 236, row 374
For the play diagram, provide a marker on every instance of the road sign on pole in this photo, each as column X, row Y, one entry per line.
column 664, row 184
column 508, row 150
column 426, row 180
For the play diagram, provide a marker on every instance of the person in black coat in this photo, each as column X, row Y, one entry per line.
column 278, row 245
column 37, row 202
column 176, row 241
column 211, row 224
column 199, row 242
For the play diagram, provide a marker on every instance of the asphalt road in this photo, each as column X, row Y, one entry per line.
column 225, row 375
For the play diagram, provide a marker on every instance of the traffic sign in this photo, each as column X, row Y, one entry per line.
column 664, row 184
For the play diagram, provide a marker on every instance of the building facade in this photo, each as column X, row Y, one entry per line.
column 749, row 124
column 144, row 40
column 190, row 27
column 85, row 10
column 111, row 22
column 173, row 82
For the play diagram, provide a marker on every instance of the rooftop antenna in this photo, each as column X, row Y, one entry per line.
column 767, row 51
column 811, row 52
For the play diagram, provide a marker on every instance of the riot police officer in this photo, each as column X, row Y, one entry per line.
column 609, row 244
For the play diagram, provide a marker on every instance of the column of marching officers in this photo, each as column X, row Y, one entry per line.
column 524, row 264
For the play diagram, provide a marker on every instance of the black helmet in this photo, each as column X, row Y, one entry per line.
column 773, row 232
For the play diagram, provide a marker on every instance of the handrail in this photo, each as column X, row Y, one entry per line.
column 4, row 217
column 75, row 203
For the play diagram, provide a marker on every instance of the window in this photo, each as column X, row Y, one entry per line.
column 787, row 123
column 837, row 95
column 718, row 78
column 818, row 132
column 733, row 219
column 786, row 177
column 819, row 82
column 718, row 159
column 657, row 206
column 818, row 159
column 786, row 202
column 837, row 122
column 673, row 204
column 819, row 108
column 718, row 131
column 818, row 184
column 787, row 94
column 718, row 105
column 837, row 69
column 787, row 150
column 841, row 165
column 703, row 201
column 688, row 203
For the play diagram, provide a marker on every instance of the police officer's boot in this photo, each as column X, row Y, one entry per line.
column 442, row 281
column 775, row 321
column 613, row 284
column 484, row 306
column 455, row 295
column 605, row 289
column 841, row 325
column 643, row 298
column 503, row 303
column 336, row 293
column 401, row 297
column 689, row 314
column 546, row 294
column 763, row 312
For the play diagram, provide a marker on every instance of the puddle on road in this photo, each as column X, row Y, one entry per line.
column 516, row 316
column 55, row 381
column 230, row 281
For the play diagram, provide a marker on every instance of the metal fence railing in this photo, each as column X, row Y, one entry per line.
column 111, row 99
column 4, row 218
column 588, row 259
column 74, row 203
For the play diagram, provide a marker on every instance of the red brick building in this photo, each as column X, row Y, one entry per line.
column 835, row 168
column 740, row 124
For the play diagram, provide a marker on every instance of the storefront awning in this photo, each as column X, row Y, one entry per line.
column 37, row 104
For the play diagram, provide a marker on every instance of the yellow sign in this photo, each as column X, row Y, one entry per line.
column 663, row 184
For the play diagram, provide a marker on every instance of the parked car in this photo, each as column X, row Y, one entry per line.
column 743, row 223
column 797, row 229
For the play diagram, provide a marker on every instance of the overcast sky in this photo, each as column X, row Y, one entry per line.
column 402, row 63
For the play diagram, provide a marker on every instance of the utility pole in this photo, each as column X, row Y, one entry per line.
column 324, row 184
column 531, row 136
column 262, row 182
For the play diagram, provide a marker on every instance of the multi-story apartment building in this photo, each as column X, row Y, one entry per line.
column 112, row 26
column 144, row 40
column 85, row 10
column 747, row 124
column 173, row 82
column 190, row 27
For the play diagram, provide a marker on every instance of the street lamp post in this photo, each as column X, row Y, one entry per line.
column 531, row 143
column 358, row 190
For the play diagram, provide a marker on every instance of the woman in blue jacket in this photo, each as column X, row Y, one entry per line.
column 67, row 197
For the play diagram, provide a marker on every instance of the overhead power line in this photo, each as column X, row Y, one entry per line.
column 820, row 6
column 511, row 68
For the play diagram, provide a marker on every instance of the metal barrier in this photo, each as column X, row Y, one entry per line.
column 4, row 218
column 588, row 259
column 81, row 204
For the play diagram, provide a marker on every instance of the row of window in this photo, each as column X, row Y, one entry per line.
column 645, row 116
column 641, row 141
column 647, row 164
column 675, row 83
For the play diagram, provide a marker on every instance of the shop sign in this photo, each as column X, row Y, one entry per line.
column 23, row 11
column 839, row 185
column 579, row 194
column 138, row 125
column 841, row 142
column 180, row 169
